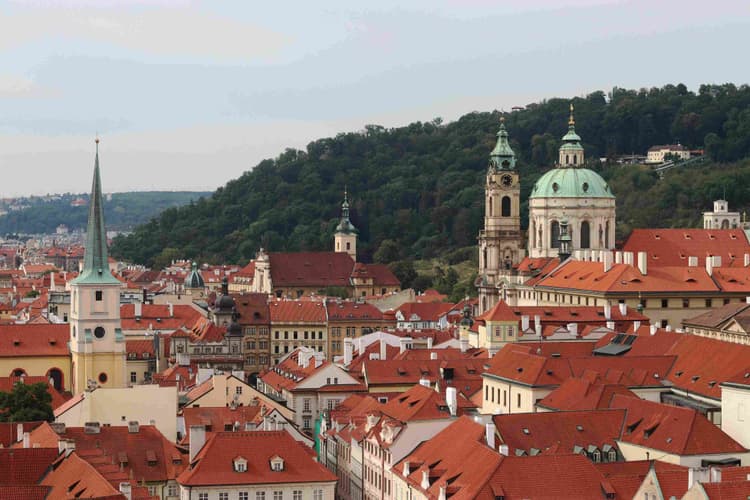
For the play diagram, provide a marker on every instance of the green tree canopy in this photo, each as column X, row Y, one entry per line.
column 26, row 403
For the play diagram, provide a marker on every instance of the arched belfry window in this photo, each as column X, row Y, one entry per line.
column 533, row 234
column 585, row 235
column 489, row 200
column 606, row 236
column 575, row 159
column 505, row 206
column 555, row 234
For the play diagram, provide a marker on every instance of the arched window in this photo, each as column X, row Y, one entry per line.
column 484, row 257
column 606, row 236
column 505, row 206
column 533, row 234
column 56, row 378
column 489, row 201
column 575, row 159
column 555, row 234
column 725, row 224
column 585, row 234
column 567, row 159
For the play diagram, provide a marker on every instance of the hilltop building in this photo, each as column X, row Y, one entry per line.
column 721, row 217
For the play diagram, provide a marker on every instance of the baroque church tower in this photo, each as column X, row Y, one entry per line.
column 500, row 242
column 97, row 343
column 345, row 238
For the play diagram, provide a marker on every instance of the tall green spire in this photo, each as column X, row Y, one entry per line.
column 95, row 262
column 345, row 225
column 572, row 137
column 502, row 157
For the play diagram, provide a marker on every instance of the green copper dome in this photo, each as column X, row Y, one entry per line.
column 345, row 226
column 194, row 279
column 502, row 157
column 571, row 183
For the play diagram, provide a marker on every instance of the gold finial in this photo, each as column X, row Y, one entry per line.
column 572, row 120
column 502, row 119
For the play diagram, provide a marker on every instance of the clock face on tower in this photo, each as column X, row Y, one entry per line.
column 506, row 180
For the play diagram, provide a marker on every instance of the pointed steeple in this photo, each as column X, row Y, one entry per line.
column 571, row 151
column 345, row 225
column 502, row 157
column 95, row 261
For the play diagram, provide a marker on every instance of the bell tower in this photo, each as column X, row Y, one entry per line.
column 500, row 243
column 97, row 344
column 345, row 238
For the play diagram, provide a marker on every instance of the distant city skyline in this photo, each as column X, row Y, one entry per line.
column 187, row 95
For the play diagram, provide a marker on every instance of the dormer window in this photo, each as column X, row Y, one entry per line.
column 240, row 464
column 277, row 464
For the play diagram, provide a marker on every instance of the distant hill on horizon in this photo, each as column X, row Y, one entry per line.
column 122, row 211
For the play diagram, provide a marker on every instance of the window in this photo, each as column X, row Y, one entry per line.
column 664, row 323
column 726, row 301
column 664, row 303
column 202, row 496
column 278, row 495
column 306, row 422
column 243, row 495
column 518, row 400
column 708, row 302
column 260, row 495
column 317, row 494
column 612, row 455
column 133, row 377
column 585, row 235
column 238, row 389
column 505, row 206
column 306, row 404
column 223, row 495
column 297, row 495
column 555, row 234
column 99, row 332
column 99, row 296
column 172, row 490
column 685, row 303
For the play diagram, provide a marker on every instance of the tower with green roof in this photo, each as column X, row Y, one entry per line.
column 571, row 191
column 500, row 242
column 97, row 344
column 345, row 237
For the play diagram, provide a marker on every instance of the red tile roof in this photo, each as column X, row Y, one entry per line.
column 584, row 393
column 25, row 466
column 9, row 431
column 157, row 316
column 34, row 340
column 74, row 477
column 627, row 477
column 672, row 247
column 672, row 429
column 311, row 269
column 424, row 311
column 735, row 490
column 422, row 403
column 27, row 492
column 297, row 311
column 214, row 463
column 735, row 473
column 500, row 312
column 347, row 310
column 252, row 308
column 560, row 432
column 140, row 349
column 380, row 274
column 218, row 418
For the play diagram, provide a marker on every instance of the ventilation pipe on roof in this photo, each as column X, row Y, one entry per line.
column 126, row 490
column 429, row 342
column 668, row 328
column 643, row 263
column 618, row 257
column 451, row 400
column 348, row 351
column 137, row 309
column 692, row 261
column 425, row 484
column 538, row 325
column 652, row 329
column 433, row 356
column 623, row 309
column 504, row 450
column 607, row 312
column 406, row 469
column 424, row 382
column 636, row 326
column 524, row 322
column 197, row 439
column 19, row 431
column 489, row 434
column 747, row 259
column 170, row 306
column 627, row 258
column 26, row 440
column 606, row 260
column 383, row 350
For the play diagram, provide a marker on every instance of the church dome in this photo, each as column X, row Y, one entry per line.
column 571, row 183
column 194, row 279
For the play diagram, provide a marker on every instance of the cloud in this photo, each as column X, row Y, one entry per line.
column 15, row 86
column 167, row 32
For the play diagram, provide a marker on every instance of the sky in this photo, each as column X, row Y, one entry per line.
column 187, row 95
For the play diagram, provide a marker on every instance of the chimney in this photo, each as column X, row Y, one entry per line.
column 607, row 312
column 91, row 428
column 643, row 263
column 424, row 382
column 524, row 322
column 126, row 490
column 652, row 329
column 19, row 431
column 383, row 350
column 691, row 477
column 623, row 309
column 636, row 326
column 133, row 427
column 715, row 474
column 197, row 439
column 747, row 259
column 463, row 344
column 171, row 309
column 668, row 328
column 348, row 351
column 573, row 329
column 145, row 296
column 489, row 434
column 137, row 309
column 441, row 494
column 402, row 343
column 611, row 325
column 627, row 258
column 58, row 427
column 451, row 400
column 504, row 450
column 618, row 257
column 425, row 480
column 712, row 262
column 538, row 325
column 26, row 440
column 433, row 356
column 406, row 469
column 66, row 446
column 747, row 300
column 692, row 261
column 607, row 260
column 429, row 342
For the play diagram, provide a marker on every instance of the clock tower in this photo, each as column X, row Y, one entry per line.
column 97, row 344
column 500, row 243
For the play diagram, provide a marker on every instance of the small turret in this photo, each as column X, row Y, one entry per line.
column 345, row 238
column 502, row 157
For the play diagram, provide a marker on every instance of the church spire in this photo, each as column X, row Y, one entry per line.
column 95, row 261
column 345, row 225
column 571, row 151
column 502, row 157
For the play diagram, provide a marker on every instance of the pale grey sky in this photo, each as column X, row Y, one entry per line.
column 189, row 94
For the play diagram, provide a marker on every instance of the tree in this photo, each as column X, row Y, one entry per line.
column 387, row 252
column 405, row 272
column 26, row 403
